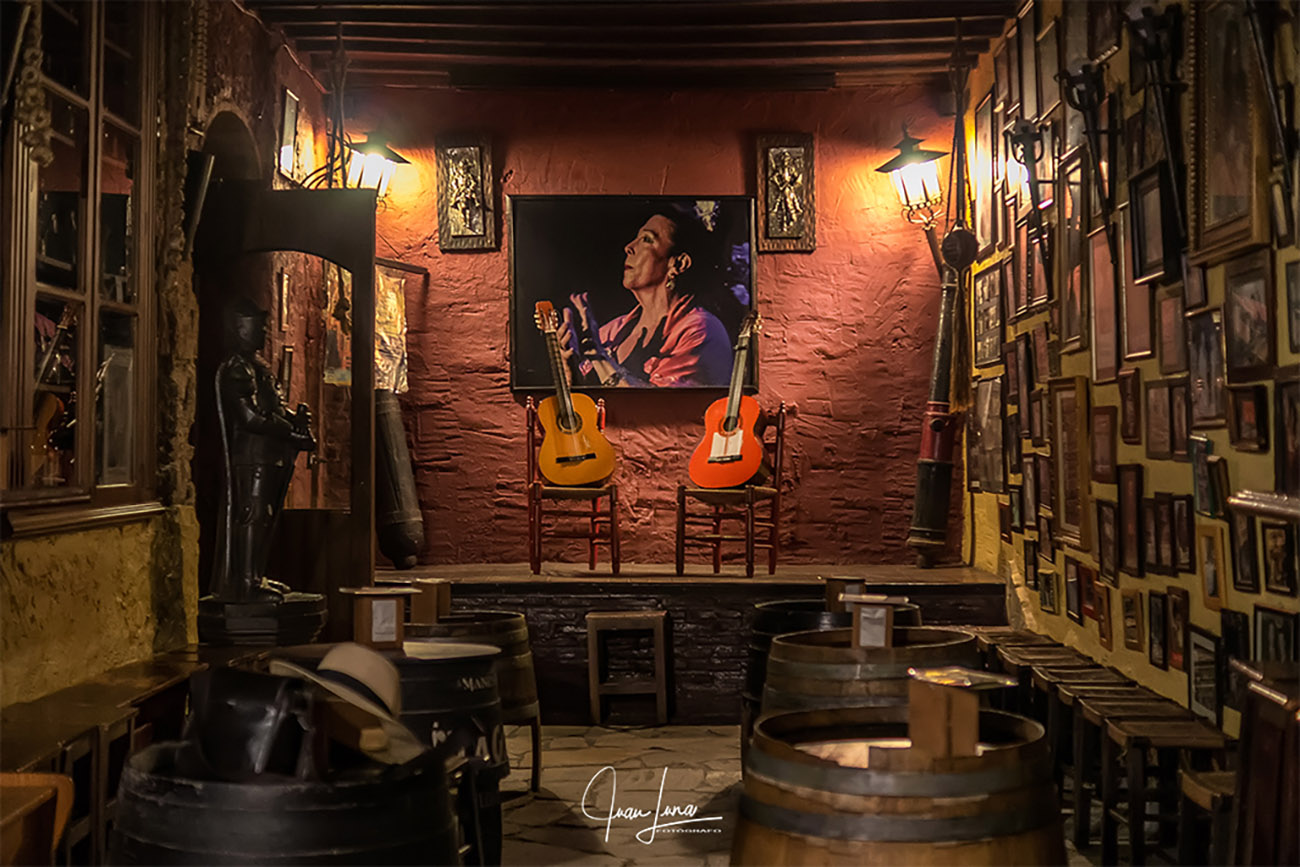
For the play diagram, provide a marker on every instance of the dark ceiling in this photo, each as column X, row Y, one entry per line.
column 777, row 44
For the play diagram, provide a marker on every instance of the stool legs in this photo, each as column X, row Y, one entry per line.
column 1109, row 800
column 535, row 784
column 661, row 674
column 615, row 552
column 749, row 533
column 593, row 673
column 1083, row 757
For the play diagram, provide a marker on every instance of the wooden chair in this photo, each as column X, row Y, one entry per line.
column 740, row 503
column 601, row 524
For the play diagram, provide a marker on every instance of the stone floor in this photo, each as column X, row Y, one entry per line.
column 690, row 772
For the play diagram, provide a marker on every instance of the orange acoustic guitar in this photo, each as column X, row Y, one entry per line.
column 731, row 454
column 573, row 451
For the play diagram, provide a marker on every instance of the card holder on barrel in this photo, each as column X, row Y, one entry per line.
column 731, row 453
column 574, row 452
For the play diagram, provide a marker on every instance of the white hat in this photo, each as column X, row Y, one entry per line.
column 368, row 681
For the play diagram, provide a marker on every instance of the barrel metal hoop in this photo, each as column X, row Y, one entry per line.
column 900, row 829
column 861, row 781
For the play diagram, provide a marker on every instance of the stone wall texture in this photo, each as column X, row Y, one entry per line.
column 848, row 336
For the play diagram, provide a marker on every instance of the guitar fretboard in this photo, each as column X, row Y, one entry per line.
column 567, row 417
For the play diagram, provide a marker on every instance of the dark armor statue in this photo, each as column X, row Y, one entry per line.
column 261, row 440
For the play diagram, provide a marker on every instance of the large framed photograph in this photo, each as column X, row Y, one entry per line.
column 467, row 216
column 1070, row 417
column 1205, row 361
column 787, row 204
column 602, row 261
column 1281, row 566
column 1105, row 313
column 1248, row 317
column 1275, row 634
column 1203, row 686
column 986, row 468
column 1245, row 564
column 988, row 317
column 1137, row 297
column 1230, row 144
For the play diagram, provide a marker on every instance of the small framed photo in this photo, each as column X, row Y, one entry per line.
column 1087, row 590
column 467, row 215
column 1293, row 305
column 1049, row 599
column 1107, row 542
column 1209, row 563
column 1070, row 488
column 1248, row 417
column 984, row 159
column 287, row 160
column 1004, row 521
column 1136, row 297
column 1046, row 483
column 1194, row 292
column 1165, row 534
column 1149, row 197
column 1150, row 538
column 1203, row 687
column 787, row 212
column 1157, row 608
column 282, row 301
column 1105, row 420
column 1286, row 430
column 1176, row 636
column 1205, row 361
column 1105, row 624
column 1017, row 504
column 1105, row 24
column 1024, row 370
column 988, row 317
column 1073, row 608
column 1010, row 362
column 1248, row 317
column 1220, row 489
column 1184, row 532
column 1245, row 564
column 1180, row 418
column 1173, row 330
column 1042, row 365
column 1200, row 448
column 1011, row 439
column 1037, row 430
column 1234, row 627
column 1130, row 405
column 1160, row 444
column 1029, row 486
column 1130, row 602
column 1281, row 567
column 1131, row 554
column 1046, row 542
column 1031, row 564
column 1275, row 634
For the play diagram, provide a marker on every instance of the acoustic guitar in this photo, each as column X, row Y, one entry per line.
column 573, row 452
column 48, row 410
column 731, row 454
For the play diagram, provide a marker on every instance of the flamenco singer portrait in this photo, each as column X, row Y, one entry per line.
column 668, row 338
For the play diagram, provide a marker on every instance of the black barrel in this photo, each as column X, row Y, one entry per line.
column 783, row 616
column 507, row 630
column 398, row 522
column 398, row 815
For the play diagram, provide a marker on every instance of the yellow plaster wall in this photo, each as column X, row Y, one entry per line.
column 1247, row 471
column 74, row 605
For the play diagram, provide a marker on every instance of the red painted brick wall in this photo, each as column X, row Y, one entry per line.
column 849, row 328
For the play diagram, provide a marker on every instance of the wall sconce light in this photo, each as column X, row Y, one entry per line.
column 371, row 165
column 915, row 173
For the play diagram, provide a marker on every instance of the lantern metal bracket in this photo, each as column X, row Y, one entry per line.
column 1281, row 140
column 1026, row 142
column 1083, row 91
column 1156, row 40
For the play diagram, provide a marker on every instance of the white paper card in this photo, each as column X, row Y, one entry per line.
column 873, row 624
column 383, row 620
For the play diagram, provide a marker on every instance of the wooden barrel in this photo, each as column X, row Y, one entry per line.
column 507, row 630
column 809, row 670
column 783, row 616
column 840, row 787
column 393, row 815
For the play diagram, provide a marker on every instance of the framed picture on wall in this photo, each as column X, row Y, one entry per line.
column 1130, row 518
column 1011, row 363
column 1105, row 623
column 1201, row 447
column 1245, row 563
column 1049, row 53
column 1107, row 543
column 1184, row 531
column 1275, row 634
column 1088, row 591
column 1046, row 483
column 1105, row 318
column 1248, row 317
column 1011, row 438
column 467, row 214
column 984, row 438
column 1165, row 533
column 1150, row 538
column 1024, row 369
column 982, row 173
column 1046, row 544
column 1180, row 417
column 1031, row 564
column 1205, row 362
column 1220, row 489
column 1286, row 428
column 1016, row 503
column 1070, row 255
column 1176, row 639
column 1131, row 614
column 1073, row 602
column 1019, row 266
column 988, row 317
column 787, row 201
column 1159, row 427
column 1049, row 598
column 1248, row 417
column 1026, row 29
column 1203, row 687
column 1004, row 522
column 1002, row 76
column 571, row 251
column 1151, row 223
column 1136, row 297
column 1104, row 424
column 1234, row 627
column 1173, row 331
column 1230, row 145
column 1130, row 405
column 1070, row 416
column 1105, row 24
column 1029, row 485
column 1157, row 608
column 1042, row 361
column 1281, row 568
column 1037, row 430
column 1293, row 305
column 1194, row 292
column 1209, row 564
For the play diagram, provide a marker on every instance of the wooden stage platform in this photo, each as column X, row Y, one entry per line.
column 710, row 621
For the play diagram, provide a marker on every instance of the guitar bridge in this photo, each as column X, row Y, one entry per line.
column 575, row 459
column 724, row 459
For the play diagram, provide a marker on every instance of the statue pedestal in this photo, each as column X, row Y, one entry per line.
column 297, row 619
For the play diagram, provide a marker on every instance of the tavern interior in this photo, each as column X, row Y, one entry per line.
column 1031, row 411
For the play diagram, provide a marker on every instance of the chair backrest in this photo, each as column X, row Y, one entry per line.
column 775, row 444
column 533, row 437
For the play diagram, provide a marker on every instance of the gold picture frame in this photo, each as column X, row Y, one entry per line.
column 787, row 201
column 467, row 214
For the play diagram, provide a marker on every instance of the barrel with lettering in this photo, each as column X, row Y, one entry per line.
column 808, row 670
column 508, row 630
column 842, row 786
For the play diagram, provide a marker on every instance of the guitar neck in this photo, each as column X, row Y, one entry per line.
column 562, row 393
column 738, row 367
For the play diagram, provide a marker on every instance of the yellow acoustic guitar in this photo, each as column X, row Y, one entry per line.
column 574, row 451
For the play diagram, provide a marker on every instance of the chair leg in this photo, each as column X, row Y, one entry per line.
column 615, row 556
column 681, row 529
column 717, row 544
column 534, row 530
column 1109, row 799
column 591, row 535
column 772, row 536
column 536, row 725
column 749, row 532
column 1137, row 804
column 1079, row 773
column 593, row 672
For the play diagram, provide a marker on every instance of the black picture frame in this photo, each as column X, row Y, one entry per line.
column 1108, row 542
column 1276, row 634
column 1249, row 351
column 1206, row 368
column 1248, row 417
column 1105, row 24
column 1132, row 555
column 1184, row 533
column 1234, row 628
column 1073, row 591
column 1130, row 405
column 1204, row 685
column 549, row 261
column 1245, row 561
column 1157, row 630
column 1031, row 564
column 1016, row 501
column 787, row 192
column 1281, row 557
column 1049, row 600
column 1180, row 418
column 987, row 309
column 1195, row 293
column 1286, row 431
column 1152, row 225
column 1292, row 277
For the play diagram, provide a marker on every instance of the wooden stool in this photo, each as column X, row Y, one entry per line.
column 606, row 621
column 1212, row 792
column 989, row 638
column 1019, row 663
column 1047, row 680
column 1169, row 738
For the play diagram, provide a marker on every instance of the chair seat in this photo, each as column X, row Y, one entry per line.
column 1209, row 790
column 581, row 492
column 726, row 496
column 1177, row 734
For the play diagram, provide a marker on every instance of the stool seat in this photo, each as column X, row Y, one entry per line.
column 1099, row 710
column 987, row 637
column 1047, row 677
column 1174, row 734
column 1013, row 659
column 656, row 684
column 1068, row 693
column 1208, row 790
